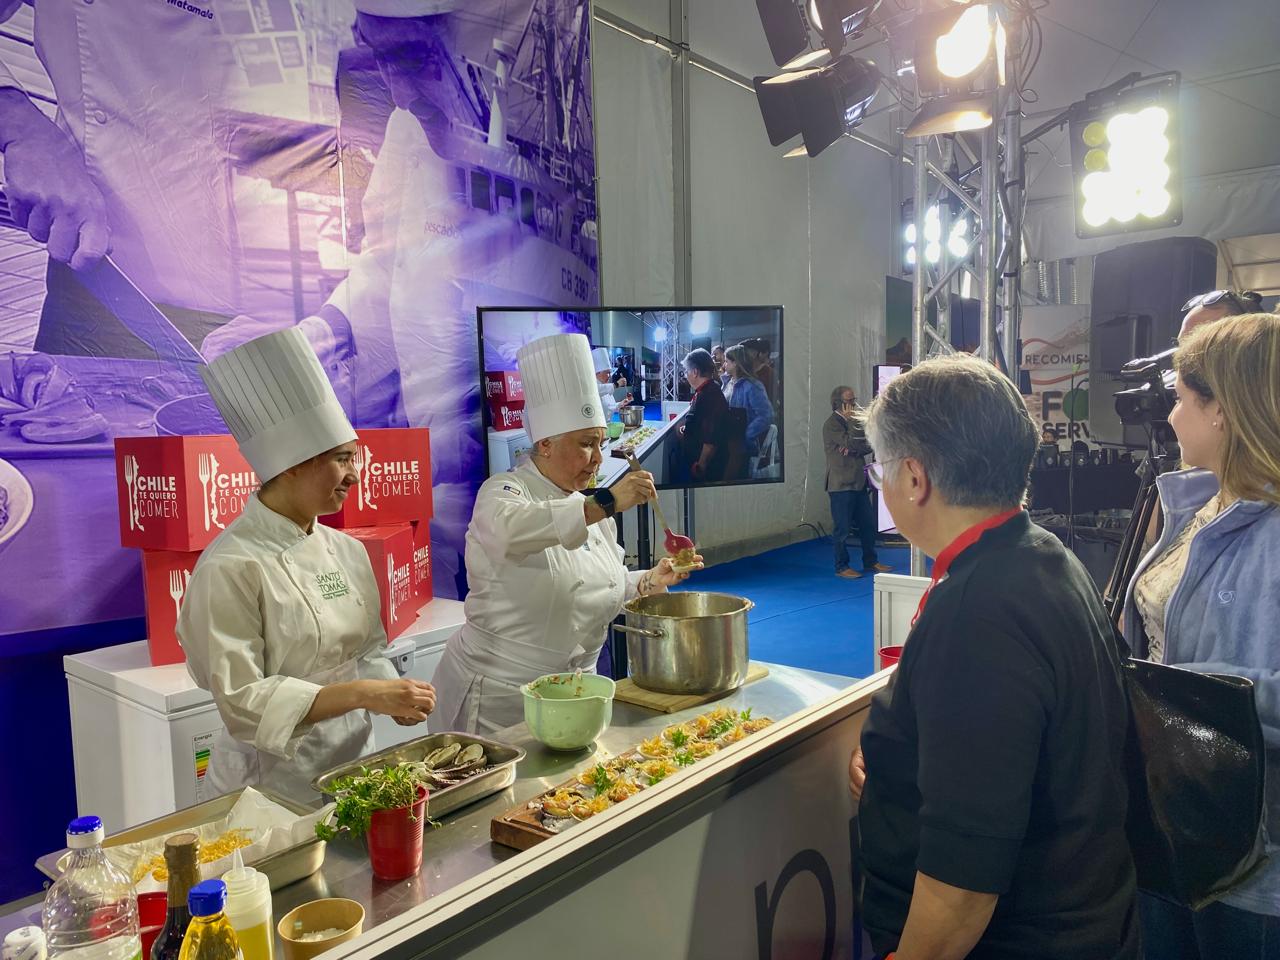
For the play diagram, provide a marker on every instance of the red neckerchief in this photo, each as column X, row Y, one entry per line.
column 958, row 546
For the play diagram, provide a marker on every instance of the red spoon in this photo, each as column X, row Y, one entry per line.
column 674, row 542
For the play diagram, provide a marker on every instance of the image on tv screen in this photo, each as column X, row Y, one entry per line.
column 695, row 393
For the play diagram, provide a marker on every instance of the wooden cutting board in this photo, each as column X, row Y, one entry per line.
column 628, row 692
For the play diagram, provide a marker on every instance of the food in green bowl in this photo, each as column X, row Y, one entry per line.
column 567, row 711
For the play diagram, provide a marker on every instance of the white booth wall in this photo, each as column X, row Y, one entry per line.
column 814, row 235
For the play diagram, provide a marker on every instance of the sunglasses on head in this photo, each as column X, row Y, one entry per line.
column 1247, row 301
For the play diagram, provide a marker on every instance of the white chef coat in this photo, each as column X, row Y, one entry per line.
column 272, row 614
column 544, row 587
column 608, row 400
column 136, row 83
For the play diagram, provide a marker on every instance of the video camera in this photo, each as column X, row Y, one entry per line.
column 1152, row 400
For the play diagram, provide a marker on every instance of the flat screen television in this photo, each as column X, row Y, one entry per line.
column 732, row 433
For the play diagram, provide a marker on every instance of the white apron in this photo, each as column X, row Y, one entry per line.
column 545, row 609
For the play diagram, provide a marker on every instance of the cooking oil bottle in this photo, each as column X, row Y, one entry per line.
column 210, row 936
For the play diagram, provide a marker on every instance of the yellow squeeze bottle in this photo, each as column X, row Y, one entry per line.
column 249, row 910
column 209, row 936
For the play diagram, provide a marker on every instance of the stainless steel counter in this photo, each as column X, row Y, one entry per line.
column 460, row 849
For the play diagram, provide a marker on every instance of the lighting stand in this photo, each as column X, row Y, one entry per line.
column 997, row 244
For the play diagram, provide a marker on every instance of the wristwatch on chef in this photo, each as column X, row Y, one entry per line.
column 604, row 500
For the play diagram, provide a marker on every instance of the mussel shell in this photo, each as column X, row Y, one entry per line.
column 471, row 753
column 440, row 758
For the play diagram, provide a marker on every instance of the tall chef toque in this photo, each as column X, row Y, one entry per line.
column 600, row 358
column 560, row 389
column 280, row 406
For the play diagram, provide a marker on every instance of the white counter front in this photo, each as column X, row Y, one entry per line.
column 141, row 734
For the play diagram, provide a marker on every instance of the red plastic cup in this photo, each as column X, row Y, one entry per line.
column 152, row 909
column 889, row 657
column 395, row 840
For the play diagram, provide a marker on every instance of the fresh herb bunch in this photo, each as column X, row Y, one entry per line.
column 600, row 779
column 358, row 796
column 684, row 758
column 679, row 739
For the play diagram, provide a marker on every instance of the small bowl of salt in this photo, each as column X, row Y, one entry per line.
column 311, row 929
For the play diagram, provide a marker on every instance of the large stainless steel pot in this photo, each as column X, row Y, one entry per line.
column 687, row 642
column 632, row 416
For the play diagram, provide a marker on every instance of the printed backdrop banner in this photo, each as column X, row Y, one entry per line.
column 250, row 165
column 1055, row 351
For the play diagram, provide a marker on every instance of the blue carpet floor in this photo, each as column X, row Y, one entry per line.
column 805, row 616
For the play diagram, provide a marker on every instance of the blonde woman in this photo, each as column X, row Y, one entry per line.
column 1207, row 596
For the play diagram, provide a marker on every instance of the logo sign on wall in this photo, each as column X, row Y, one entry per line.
column 370, row 179
column 1055, row 352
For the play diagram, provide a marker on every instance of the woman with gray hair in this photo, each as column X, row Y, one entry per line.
column 990, row 781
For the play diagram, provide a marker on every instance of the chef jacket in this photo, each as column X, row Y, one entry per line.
column 268, row 607
column 145, row 120
column 545, row 585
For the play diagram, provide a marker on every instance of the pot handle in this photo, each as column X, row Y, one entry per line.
column 651, row 634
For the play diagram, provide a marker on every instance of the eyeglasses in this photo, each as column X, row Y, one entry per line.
column 1247, row 301
column 875, row 471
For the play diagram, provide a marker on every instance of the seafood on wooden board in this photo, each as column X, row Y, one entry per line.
column 596, row 788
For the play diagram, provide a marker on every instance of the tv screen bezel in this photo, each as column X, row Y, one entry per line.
column 779, row 374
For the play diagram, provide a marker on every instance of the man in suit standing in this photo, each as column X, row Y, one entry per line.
column 846, row 447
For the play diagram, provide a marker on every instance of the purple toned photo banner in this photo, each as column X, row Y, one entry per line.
column 247, row 165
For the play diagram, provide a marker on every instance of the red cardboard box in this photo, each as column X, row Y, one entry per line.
column 506, row 416
column 422, row 587
column 504, row 385
column 165, row 576
column 391, row 553
column 394, row 485
column 178, row 493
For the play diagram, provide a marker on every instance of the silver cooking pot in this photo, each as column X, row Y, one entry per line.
column 687, row 642
column 631, row 416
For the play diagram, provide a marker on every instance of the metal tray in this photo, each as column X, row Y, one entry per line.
column 501, row 757
column 282, row 867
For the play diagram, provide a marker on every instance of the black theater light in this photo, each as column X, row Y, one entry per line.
column 952, row 50
column 839, row 21
column 820, row 104
column 1124, row 158
column 785, row 28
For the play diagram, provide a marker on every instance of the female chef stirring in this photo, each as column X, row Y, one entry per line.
column 543, row 561
column 605, row 383
column 280, row 621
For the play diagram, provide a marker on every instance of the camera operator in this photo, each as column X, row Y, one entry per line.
column 1205, row 596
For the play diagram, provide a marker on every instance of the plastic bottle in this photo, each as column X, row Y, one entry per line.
column 209, row 937
column 91, row 912
column 181, row 857
column 249, row 909
column 25, row 943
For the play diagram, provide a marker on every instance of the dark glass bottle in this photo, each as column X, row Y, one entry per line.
column 181, row 856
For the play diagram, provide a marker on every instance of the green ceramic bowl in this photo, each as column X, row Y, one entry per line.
column 567, row 711
column 615, row 429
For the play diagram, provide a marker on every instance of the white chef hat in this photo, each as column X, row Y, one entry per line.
column 275, row 397
column 560, row 389
column 406, row 8
column 600, row 357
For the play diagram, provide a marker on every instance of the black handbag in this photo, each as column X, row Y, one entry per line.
column 1196, row 767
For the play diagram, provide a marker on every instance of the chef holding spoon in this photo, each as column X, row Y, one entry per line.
column 543, row 561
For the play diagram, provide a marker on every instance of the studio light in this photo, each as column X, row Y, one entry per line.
column 839, row 21
column 785, row 29
column 1124, row 159
column 950, row 115
column 951, row 52
column 820, row 104
column 787, row 25
column 959, row 235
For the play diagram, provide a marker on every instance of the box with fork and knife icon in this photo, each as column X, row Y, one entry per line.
column 178, row 493
column 166, row 574
column 393, row 479
column 391, row 552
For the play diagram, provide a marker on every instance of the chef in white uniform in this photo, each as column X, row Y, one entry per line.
column 546, row 571
column 280, row 621
column 604, row 377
